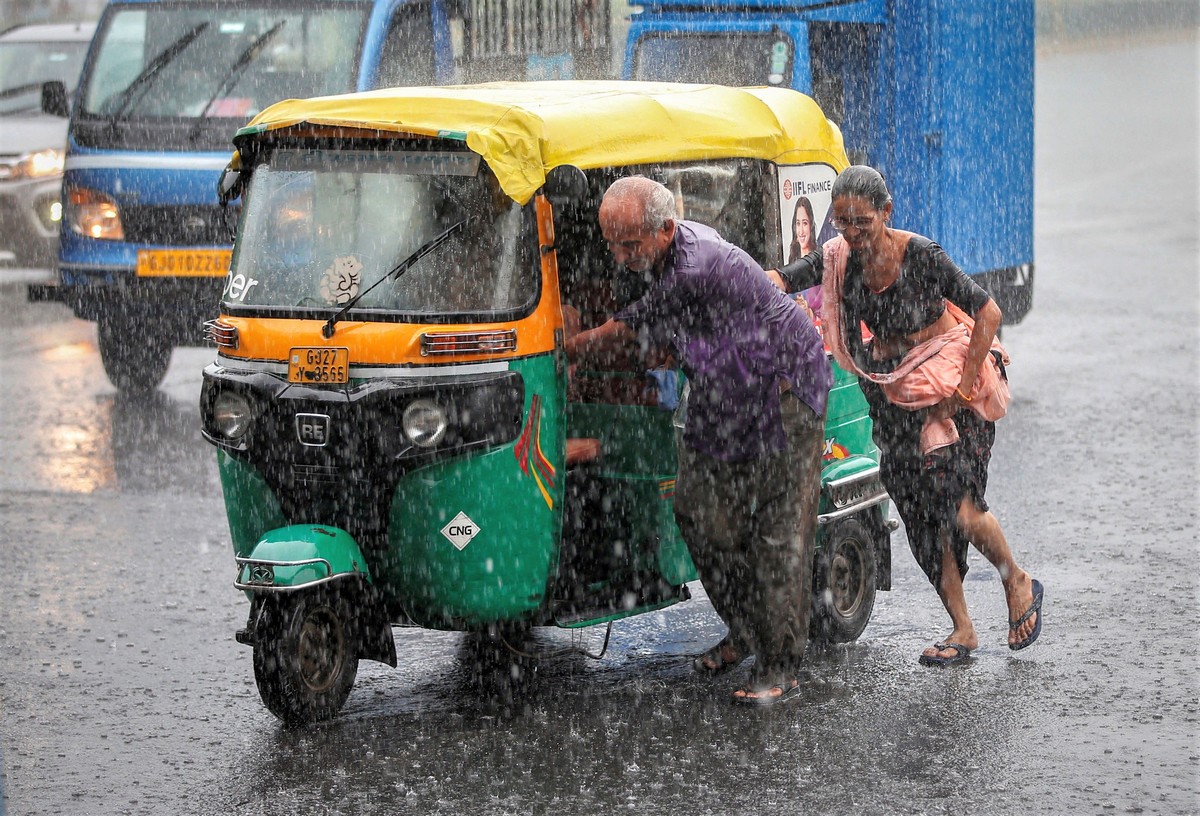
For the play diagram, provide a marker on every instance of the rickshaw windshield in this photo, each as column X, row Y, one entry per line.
column 321, row 226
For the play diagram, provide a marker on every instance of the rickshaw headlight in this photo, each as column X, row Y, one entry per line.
column 425, row 422
column 231, row 415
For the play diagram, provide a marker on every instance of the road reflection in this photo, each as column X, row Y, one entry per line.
column 130, row 443
column 64, row 428
column 156, row 444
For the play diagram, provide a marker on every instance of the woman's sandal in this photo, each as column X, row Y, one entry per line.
column 718, row 660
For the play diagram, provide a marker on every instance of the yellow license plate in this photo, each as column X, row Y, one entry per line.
column 319, row 365
column 183, row 263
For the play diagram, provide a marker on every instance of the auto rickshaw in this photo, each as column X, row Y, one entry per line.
column 399, row 436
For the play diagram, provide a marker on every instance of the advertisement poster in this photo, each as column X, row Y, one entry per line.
column 804, row 202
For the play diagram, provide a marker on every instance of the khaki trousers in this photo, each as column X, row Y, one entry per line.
column 750, row 527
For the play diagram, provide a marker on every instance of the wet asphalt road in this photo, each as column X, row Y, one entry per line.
column 122, row 690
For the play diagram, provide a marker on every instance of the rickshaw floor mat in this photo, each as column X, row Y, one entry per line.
column 961, row 655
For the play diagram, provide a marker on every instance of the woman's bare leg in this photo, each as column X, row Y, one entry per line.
column 950, row 590
column 984, row 532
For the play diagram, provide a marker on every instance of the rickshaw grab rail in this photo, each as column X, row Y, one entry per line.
column 268, row 579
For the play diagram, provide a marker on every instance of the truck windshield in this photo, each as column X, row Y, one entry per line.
column 725, row 58
column 322, row 226
column 226, row 60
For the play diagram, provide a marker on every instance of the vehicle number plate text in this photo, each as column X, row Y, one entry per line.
column 183, row 263
column 319, row 365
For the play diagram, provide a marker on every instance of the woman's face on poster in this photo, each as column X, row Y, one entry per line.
column 802, row 227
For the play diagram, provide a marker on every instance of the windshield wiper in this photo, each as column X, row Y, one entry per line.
column 395, row 273
column 167, row 55
column 233, row 74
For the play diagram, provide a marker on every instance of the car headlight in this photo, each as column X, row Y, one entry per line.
column 425, row 422
column 94, row 214
column 231, row 415
column 39, row 164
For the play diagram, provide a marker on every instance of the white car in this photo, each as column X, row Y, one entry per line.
column 33, row 142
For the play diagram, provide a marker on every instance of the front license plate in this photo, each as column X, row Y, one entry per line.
column 183, row 263
column 319, row 365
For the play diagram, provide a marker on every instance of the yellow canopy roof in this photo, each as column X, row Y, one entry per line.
column 523, row 129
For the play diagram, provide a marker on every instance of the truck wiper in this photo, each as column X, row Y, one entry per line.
column 234, row 73
column 395, row 273
column 167, row 55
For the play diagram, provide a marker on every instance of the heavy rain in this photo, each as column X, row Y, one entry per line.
column 125, row 488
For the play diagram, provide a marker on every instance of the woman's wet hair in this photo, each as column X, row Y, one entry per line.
column 864, row 182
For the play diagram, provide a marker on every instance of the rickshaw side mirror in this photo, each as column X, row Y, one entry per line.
column 566, row 184
column 230, row 185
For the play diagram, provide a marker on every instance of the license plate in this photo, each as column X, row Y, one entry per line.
column 319, row 365
column 183, row 263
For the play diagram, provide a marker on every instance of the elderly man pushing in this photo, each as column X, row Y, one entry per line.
column 749, row 467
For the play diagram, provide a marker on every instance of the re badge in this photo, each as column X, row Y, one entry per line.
column 460, row 530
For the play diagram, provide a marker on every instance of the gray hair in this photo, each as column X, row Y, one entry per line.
column 658, row 203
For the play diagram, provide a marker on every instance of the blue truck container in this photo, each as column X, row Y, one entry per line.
column 935, row 94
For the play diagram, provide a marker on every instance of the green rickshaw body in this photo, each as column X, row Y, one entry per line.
column 496, row 509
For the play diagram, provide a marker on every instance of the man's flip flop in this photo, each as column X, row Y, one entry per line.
column 1034, row 608
column 788, row 690
column 961, row 654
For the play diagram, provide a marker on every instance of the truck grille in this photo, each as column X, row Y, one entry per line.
column 179, row 226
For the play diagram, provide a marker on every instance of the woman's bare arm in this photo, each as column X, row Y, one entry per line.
column 987, row 323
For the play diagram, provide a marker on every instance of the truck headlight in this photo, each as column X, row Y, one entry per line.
column 425, row 423
column 231, row 415
column 94, row 214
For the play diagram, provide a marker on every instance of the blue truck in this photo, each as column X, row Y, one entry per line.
column 935, row 94
column 145, row 246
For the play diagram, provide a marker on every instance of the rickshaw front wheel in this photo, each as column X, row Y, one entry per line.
column 305, row 654
column 843, row 582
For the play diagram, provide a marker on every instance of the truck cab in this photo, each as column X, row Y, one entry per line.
column 145, row 246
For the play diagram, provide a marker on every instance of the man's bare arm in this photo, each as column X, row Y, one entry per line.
column 605, row 339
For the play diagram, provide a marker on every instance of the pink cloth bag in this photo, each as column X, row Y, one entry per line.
column 930, row 372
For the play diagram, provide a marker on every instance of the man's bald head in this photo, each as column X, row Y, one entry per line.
column 637, row 218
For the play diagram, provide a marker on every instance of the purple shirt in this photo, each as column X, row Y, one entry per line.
column 739, row 340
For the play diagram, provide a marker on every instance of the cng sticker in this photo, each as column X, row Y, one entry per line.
column 460, row 531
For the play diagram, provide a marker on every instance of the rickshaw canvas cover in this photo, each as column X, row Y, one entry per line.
column 524, row 130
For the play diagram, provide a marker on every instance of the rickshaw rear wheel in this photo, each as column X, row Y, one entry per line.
column 134, row 357
column 843, row 582
column 305, row 654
